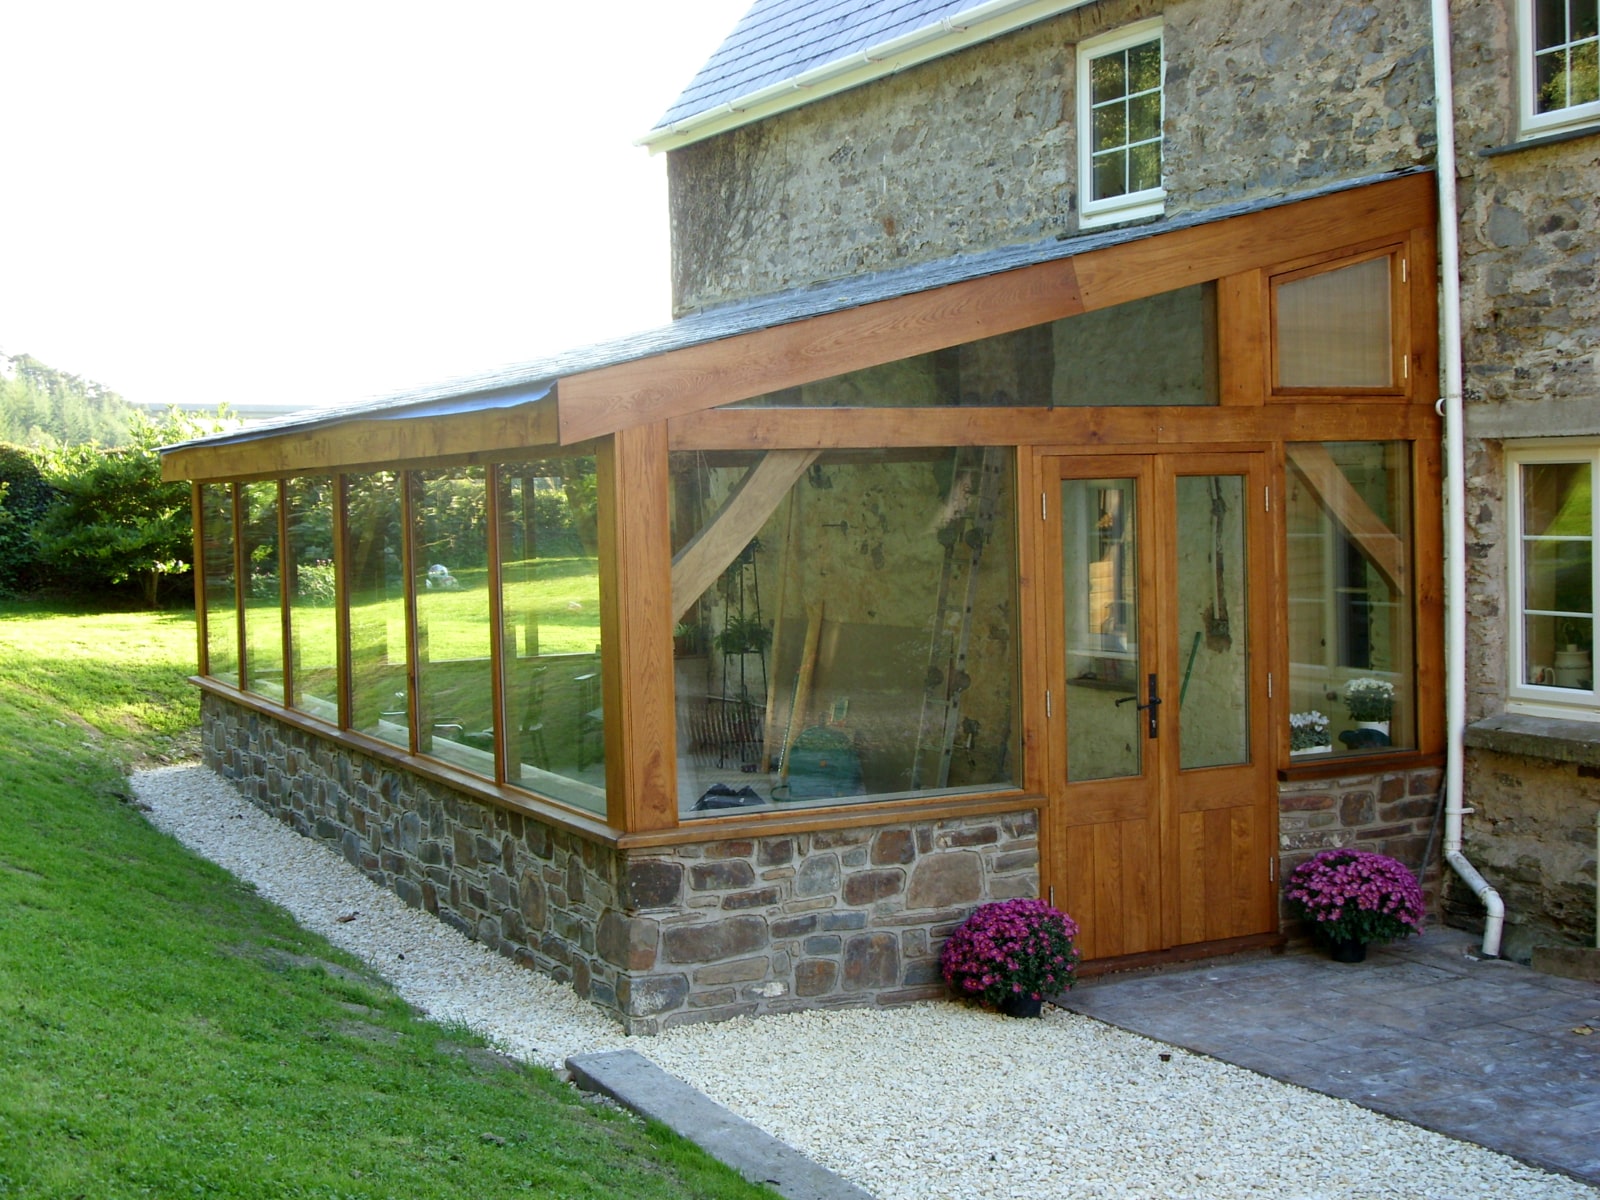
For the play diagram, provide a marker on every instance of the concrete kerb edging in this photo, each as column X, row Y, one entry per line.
column 636, row 1083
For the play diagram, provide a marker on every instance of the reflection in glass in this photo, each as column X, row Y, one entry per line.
column 1558, row 575
column 450, row 573
column 379, row 691
column 855, row 635
column 550, row 581
column 313, row 624
column 221, row 600
column 1350, row 607
column 263, row 606
column 1100, row 584
column 1213, row 625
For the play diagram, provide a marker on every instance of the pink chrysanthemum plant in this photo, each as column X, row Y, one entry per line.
column 1011, row 949
column 1356, row 896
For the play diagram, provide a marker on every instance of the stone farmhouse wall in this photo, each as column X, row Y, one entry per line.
column 660, row 937
column 978, row 150
column 1530, row 238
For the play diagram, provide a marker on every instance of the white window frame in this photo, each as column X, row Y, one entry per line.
column 1148, row 203
column 1532, row 122
column 1531, row 698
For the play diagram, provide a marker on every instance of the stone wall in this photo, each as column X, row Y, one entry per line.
column 658, row 937
column 978, row 149
column 1393, row 813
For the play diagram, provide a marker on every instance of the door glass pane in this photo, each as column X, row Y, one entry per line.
column 1100, row 577
column 1213, row 655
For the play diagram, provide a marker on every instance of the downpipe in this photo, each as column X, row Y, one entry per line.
column 1450, row 406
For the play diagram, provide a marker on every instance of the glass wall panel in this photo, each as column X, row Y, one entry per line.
column 550, row 588
column 1351, row 649
column 1160, row 350
column 380, row 703
column 1334, row 330
column 220, row 598
column 846, row 626
column 450, row 568
column 313, row 618
column 263, row 601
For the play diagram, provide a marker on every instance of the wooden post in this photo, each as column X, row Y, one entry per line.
column 636, row 630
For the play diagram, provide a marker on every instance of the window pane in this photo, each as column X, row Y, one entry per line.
column 1110, row 77
column 1351, row 648
column 1110, row 126
column 1144, row 67
column 1333, row 329
column 1100, row 576
column 313, row 626
column 860, row 642
column 1585, row 18
column 450, row 567
column 222, row 612
column 1552, row 70
column 1585, row 82
column 1111, row 174
column 380, row 703
column 1213, row 622
column 263, row 607
column 550, row 588
column 1549, row 23
column 1558, row 574
column 1144, row 117
column 1161, row 350
column 1144, row 167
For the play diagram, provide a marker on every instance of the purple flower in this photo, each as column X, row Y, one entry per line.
column 1356, row 895
column 1011, row 947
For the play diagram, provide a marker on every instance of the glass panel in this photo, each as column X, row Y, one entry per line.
column 1585, row 18
column 1549, row 23
column 1552, row 87
column 313, row 624
column 1161, row 350
column 1144, row 117
column 1110, row 127
column 1144, row 167
column 861, row 641
column 1109, row 76
column 1558, row 574
column 550, row 587
column 1100, row 582
column 1144, row 66
column 1110, row 174
column 1158, row 350
column 379, row 699
column 1584, row 86
column 1333, row 329
column 221, row 601
column 1352, row 666
column 1213, row 624
column 450, row 567
column 263, row 602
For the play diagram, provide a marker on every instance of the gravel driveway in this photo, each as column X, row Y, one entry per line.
column 927, row 1100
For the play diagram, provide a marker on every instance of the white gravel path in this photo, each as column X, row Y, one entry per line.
column 927, row 1100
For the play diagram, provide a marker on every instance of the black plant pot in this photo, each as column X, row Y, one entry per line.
column 1347, row 950
column 1021, row 1006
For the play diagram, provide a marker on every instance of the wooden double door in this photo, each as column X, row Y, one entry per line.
column 1159, row 589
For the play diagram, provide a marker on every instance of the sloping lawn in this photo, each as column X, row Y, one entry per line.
column 165, row 1032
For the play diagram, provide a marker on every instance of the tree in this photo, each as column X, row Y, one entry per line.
column 112, row 521
column 24, row 497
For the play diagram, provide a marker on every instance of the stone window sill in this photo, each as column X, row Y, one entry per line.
column 1548, row 139
column 1529, row 736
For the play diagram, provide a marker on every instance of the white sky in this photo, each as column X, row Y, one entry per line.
column 313, row 203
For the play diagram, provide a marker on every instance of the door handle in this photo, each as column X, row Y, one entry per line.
column 1152, row 706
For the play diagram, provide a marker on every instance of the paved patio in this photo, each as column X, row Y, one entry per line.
column 1483, row 1050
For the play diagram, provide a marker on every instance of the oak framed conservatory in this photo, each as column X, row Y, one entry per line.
column 723, row 670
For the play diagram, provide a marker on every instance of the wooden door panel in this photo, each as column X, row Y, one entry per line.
column 1110, row 887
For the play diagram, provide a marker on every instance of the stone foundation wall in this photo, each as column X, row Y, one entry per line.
column 694, row 932
column 1392, row 813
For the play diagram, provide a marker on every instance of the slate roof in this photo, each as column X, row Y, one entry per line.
column 521, row 383
column 779, row 39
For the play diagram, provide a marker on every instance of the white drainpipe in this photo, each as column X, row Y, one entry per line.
column 1455, row 641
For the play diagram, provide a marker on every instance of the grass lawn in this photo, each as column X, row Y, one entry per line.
column 165, row 1032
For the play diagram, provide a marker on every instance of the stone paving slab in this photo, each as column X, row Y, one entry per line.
column 1424, row 1030
column 638, row 1084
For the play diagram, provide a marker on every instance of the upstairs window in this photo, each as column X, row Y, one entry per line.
column 1119, row 125
column 1560, row 69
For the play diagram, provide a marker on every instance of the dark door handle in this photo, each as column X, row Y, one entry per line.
column 1152, row 706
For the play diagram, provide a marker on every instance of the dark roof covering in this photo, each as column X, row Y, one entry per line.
column 530, row 381
column 780, row 39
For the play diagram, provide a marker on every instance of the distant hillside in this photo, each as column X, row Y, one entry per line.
column 40, row 406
